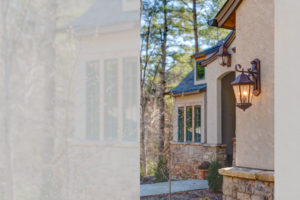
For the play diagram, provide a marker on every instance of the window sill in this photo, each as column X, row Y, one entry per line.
column 93, row 143
column 197, row 144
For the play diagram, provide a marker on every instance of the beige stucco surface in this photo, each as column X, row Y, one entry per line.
column 255, row 126
column 189, row 100
column 214, row 72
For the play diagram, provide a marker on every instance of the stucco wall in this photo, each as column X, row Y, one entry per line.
column 93, row 161
column 255, row 126
column 194, row 99
column 213, row 75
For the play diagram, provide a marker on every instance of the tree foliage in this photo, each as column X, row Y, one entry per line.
column 180, row 46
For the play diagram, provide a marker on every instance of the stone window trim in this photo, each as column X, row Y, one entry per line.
column 185, row 105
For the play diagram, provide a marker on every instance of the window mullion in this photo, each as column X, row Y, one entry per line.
column 184, row 121
column 193, row 131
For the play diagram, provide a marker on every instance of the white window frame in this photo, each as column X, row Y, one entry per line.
column 202, row 128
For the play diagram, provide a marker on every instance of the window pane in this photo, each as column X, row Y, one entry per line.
column 189, row 123
column 200, row 71
column 130, row 98
column 92, row 100
column 197, row 123
column 111, row 99
column 180, row 124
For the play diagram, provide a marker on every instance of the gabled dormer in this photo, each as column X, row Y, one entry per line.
column 203, row 58
column 199, row 68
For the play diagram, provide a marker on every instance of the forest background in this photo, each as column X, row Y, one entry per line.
column 171, row 31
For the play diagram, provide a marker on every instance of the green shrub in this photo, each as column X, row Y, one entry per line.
column 151, row 168
column 141, row 172
column 162, row 171
column 214, row 179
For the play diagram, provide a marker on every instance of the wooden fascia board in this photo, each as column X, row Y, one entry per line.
column 200, row 58
column 227, row 10
column 212, row 58
column 199, row 55
column 223, row 11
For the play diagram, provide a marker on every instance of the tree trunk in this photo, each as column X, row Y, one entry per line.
column 143, row 131
column 143, row 124
column 163, row 81
column 195, row 26
column 143, row 101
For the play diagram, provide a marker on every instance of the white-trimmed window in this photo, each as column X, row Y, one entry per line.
column 111, row 97
column 197, row 123
column 200, row 71
column 130, row 97
column 92, row 100
column 180, row 124
column 189, row 123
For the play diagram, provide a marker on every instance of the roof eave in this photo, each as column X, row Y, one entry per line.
column 203, row 54
column 214, row 56
column 188, row 93
column 226, row 13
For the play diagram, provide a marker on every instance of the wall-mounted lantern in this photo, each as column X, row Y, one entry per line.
column 223, row 56
column 247, row 84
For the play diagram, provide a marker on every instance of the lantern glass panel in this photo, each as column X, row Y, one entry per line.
column 237, row 93
column 245, row 93
column 251, row 93
column 225, row 59
column 221, row 59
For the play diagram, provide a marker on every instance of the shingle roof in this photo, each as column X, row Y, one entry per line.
column 187, row 85
column 104, row 13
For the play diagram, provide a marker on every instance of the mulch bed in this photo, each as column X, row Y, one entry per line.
column 187, row 195
column 147, row 180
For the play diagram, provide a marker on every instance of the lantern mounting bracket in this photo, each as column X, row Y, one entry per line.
column 253, row 73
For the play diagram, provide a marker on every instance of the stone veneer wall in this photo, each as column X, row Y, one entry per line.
column 185, row 158
column 247, row 184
